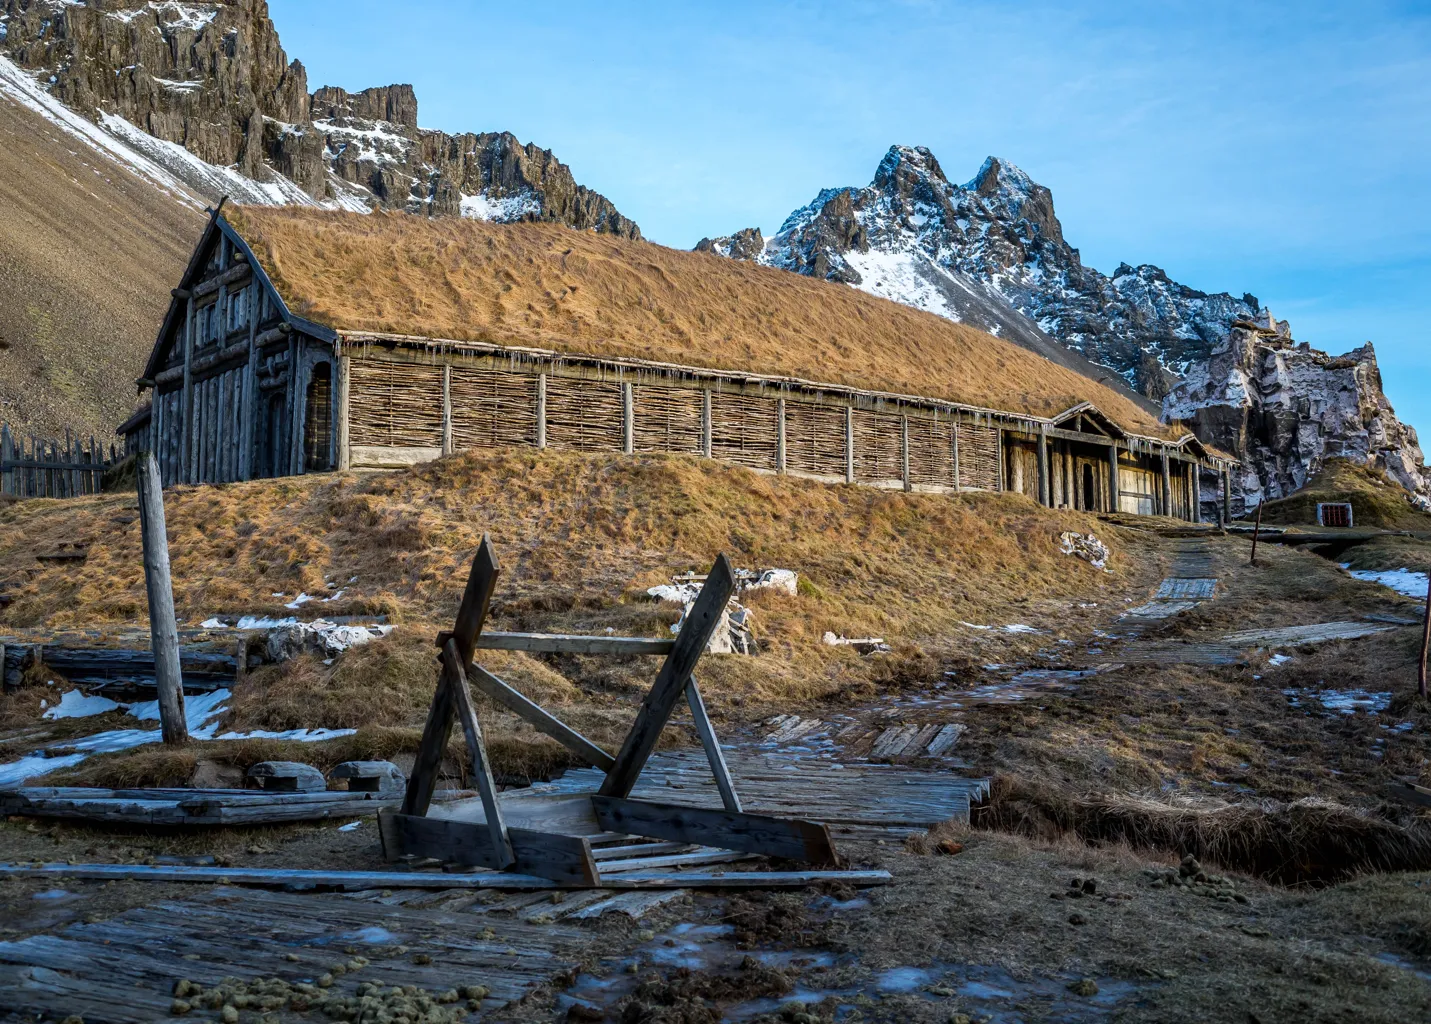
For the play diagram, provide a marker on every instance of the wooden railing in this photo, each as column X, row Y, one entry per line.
column 50, row 468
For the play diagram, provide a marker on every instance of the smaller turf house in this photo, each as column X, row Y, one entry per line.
column 306, row 341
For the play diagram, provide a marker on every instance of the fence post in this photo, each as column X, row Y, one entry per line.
column 5, row 456
column 163, row 630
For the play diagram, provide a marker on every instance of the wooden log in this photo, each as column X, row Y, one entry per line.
column 849, row 444
column 477, row 749
column 446, row 409
column 1226, row 497
column 1045, row 490
column 707, row 424
column 904, row 453
column 541, row 410
column 550, row 855
column 780, row 436
column 186, row 442
column 345, row 455
column 1113, row 487
column 768, row 836
column 711, row 743
column 1256, row 533
column 480, row 583
column 628, row 418
column 535, row 715
column 565, row 643
column 357, row 881
column 1167, row 484
column 163, row 630
column 701, row 622
column 1196, row 470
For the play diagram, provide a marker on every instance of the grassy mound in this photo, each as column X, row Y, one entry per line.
column 1376, row 500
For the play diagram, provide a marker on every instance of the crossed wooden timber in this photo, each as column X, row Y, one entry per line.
column 559, row 855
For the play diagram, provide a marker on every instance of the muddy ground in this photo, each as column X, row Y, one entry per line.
column 997, row 931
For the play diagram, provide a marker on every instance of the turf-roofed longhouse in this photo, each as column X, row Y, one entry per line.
column 304, row 341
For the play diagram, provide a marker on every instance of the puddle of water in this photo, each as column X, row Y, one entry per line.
column 54, row 894
column 1346, row 702
column 902, row 979
column 374, row 935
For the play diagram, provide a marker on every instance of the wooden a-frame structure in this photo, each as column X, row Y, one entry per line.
column 561, row 850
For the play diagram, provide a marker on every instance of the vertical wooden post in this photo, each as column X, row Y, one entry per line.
column 728, row 796
column 1256, row 533
column 446, row 409
column 628, row 418
column 904, row 453
column 1002, row 473
column 1113, row 477
column 1044, row 491
column 345, row 376
column 163, row 630
column 849, row 444
column 1197, row 492
column 957, row 485
column 541, row 410
column 707, row 427
column 5, row 457
column 248, row 395
column 1226, row 496
column 186, row 443
column 1425, row 642
column 780, row 435
column 1167, row 486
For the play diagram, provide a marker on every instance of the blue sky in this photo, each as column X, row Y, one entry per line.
column 1277, row 149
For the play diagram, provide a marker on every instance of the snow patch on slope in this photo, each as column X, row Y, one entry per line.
column 503, row 209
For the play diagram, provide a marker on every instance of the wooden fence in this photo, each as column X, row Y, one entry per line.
column 51, row 468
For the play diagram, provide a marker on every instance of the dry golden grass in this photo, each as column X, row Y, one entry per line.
column 1376, row 500
column 551, row 287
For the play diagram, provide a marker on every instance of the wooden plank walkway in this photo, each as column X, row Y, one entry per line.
column 860, row 740
column 1232, row 649
column 123, row 970
column 866, row 794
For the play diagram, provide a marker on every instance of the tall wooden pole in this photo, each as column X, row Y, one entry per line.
column 1256, row 532
column 1425, row 642
column 163, row 630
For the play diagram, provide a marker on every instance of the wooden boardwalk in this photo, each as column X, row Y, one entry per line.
column 123, row 971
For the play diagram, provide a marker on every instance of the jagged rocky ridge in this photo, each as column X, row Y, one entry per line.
column 206, row 91
column 991, row 253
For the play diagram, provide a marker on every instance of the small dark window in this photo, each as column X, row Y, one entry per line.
column 1338, row 513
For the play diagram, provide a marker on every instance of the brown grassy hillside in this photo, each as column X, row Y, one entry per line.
column 546, row 286
column 1375, row 499
column 88, row 253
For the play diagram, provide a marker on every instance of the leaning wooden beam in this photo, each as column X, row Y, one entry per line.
column 700, row 623
column 477, row 748
column 480, row 583
column 537, row 717
column 789, row 838
column 353, row 881
column 552, row 855
column 711, row 743
column 561, row 643
column 163, row 631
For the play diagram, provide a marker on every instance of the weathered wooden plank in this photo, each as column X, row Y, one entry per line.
column 535, row 715
column 561, row 643
column 695, row 858
column 700, row 623
column 162, row 628
column 711, row 743
column 477, row 749
column 792, row 839
column 551, row 855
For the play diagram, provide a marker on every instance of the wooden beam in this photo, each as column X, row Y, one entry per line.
column 480, row 583
column 628, row 418
column 788, row 838
column 1113, row 478
column 163, row 631
column 700, row 623
column 849, row 444
column 345, row 455
column 1045, row 489
column 446, row 409
column 780, row 440
column 549, row 855
column 477, row 748
column 711, row 743
column 541, row 410
column 904, row 453
column 536, row 716
column 707, row 430
column 564, row 643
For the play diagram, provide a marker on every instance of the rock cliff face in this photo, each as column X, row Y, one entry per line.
column 206, row 91
column 1286, row 408
column 991, row 253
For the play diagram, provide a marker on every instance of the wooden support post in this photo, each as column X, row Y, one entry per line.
column 6, row 445
column 1167, row 486
column 707, row 427
column 480, row 583
column 1044, row 489
column 446, row 409
column 248, row 393
column 345, row 376
column 456, row 680
column 789, row 838
column 780, row 435
column 711, row 744
column 1197, row 492
column 957, row 485
column 186, row 438
column 163, row 630
column 655, row 711
column 904, row 453
column 537, row 716
column 628, row 418
column 541, row 410
column 1425, row 642
column 1226, row 496
column 1113, row 477
column 1003, row 470
column 1256, row 533
column 849, row 444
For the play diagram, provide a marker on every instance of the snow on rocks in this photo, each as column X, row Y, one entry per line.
column 733, row 635
column 1085, row 546
column 323, row 638
column 76, row 704
column 865, row 645
column 1403, row 581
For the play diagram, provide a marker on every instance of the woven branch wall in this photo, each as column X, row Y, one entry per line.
column 493, row 408
column 743, row 429
column 879, row 446
column 931, row 452
column 584, row 415
column 814, row 439
column 395, row 404
column 979, row 456
column 667, row 419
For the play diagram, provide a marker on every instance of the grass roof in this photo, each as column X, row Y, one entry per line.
column 548, row 286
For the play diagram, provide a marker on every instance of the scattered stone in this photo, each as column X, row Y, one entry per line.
column 1077, row 919
column 179, row 1006
column 422, row 959
column 949, row 847
column 1090, row 886
column 1083, row 987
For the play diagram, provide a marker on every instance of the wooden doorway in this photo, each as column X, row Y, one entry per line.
column 318, row 421
column 1135, row 491
column 1090, row 488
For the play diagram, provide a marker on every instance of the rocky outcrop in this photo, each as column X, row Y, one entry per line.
column 213, row 82
column 746, row 244
column 1285, row 408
